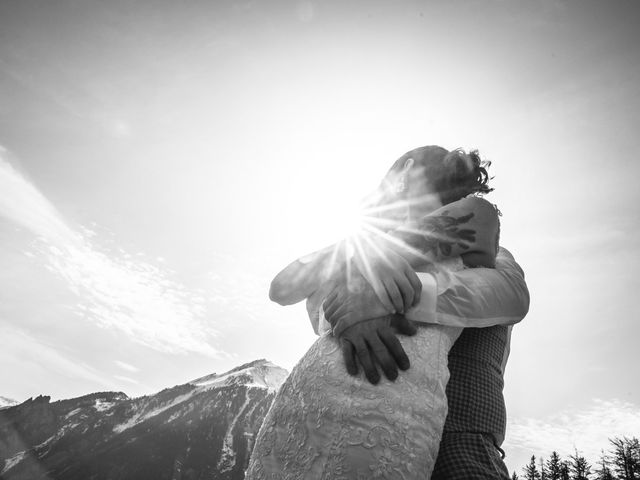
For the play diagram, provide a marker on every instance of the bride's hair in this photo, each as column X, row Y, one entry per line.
column 459, row 175
column 452, row 175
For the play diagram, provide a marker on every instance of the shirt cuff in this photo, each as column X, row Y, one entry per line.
column 425, row 310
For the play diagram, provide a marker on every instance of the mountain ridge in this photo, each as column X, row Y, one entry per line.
column 202, row 428
column 6, row 402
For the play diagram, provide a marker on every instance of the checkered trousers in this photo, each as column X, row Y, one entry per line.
column 469, row 456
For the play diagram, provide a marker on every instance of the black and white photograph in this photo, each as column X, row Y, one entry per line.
column 319, row 239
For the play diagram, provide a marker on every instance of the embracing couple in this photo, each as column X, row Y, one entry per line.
column 426, row 265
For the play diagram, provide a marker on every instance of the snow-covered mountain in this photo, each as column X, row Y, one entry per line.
column 261, row 373
column 7, row 402
column 202, row 429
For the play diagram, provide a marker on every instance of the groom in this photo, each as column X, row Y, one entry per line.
column 487, row 303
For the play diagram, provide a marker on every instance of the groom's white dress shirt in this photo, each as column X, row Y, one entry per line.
column 476, row 298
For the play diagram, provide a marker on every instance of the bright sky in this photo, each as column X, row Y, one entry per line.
column 161, row 161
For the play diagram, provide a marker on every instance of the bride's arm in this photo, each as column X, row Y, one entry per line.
column 475, row 297
column 468, row 228
column 397, row 285
column 302, row 277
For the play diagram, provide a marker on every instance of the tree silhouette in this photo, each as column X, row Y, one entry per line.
column 580, row 468
column 604, row 472
column 564, row 470
column 543, row 470
column 554, row 467
column 531, row 470
column 621, row 462
column 626, row 457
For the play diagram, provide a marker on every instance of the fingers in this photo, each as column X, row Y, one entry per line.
column 407, row 292
column 342, row 319
column 394, row 347
column 331, row 304
column 349, row 356
column 394, row 295
column 404, row 325
column 416, row 284
column 383, row 295
column 381, row 354
column 370, row 371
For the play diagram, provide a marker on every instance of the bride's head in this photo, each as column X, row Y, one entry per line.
column 426, row 178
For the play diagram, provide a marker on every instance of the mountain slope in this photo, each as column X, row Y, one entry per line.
column 202, row 429
column 7, row 402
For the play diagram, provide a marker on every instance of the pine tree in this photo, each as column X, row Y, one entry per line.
column 565, row 470
column 579, row 466
column 622, row 463
column 626, row 457
column 554, row 467
column 531, row 470
column 634, row 448
column 604, row 472
column 543, row 470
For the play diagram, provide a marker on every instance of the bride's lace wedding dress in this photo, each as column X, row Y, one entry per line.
column 326, row 424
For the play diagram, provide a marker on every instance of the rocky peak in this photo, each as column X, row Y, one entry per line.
column 259, row 373
column 7, row 402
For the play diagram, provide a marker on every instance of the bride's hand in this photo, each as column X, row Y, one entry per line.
column 352, row 300
column 393, row 280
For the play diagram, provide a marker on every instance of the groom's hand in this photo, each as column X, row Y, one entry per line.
column 365, row 330
column 374, row 341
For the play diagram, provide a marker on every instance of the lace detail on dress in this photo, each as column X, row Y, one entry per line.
column 326, row 424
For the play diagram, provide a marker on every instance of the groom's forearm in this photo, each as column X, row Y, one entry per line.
column 477, row 297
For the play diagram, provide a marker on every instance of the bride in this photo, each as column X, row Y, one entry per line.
column 325, row 424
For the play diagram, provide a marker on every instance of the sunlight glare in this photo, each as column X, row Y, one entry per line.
column 349, row 221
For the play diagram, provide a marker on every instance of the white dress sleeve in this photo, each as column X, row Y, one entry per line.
column 316, row 314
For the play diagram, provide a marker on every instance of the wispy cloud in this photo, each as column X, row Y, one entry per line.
column 126, row 366
column 587, row 430
column 120, row 291
column 22, row 203
column 126, row 379
column 18, row 344
column 242, row 295
column 115, row 289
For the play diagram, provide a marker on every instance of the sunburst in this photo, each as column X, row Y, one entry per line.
column 371, row 238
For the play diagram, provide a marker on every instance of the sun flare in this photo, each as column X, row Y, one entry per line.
column 349, row 221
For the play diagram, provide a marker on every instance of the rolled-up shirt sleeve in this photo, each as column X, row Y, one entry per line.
column 474, row 297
